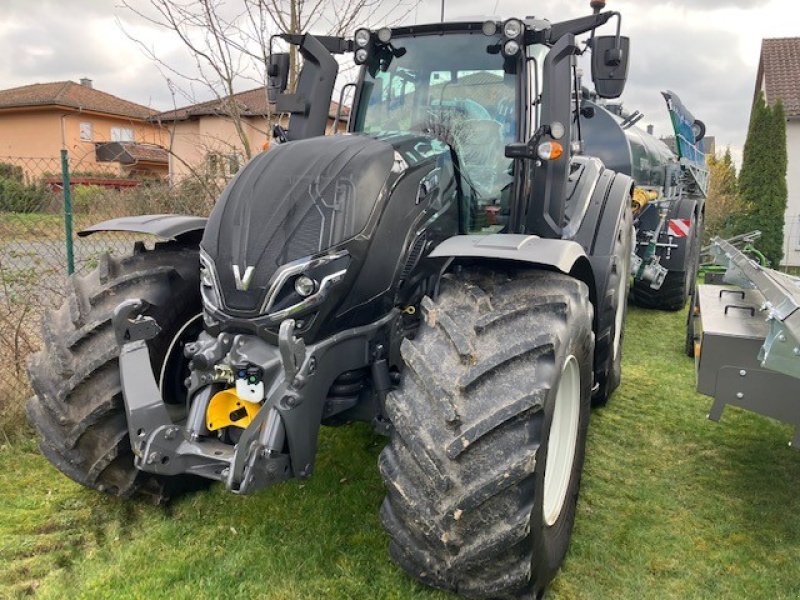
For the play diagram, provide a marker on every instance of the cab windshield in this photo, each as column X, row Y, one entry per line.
column 459, row 90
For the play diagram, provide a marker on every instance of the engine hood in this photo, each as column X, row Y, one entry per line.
column 296, row 200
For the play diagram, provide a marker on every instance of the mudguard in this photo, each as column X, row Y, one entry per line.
column 565, row 256
column 599, row 228
column 168, row 227
column 598, row 235
column 562, row 255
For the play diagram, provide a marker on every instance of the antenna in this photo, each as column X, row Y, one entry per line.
column 442, row 11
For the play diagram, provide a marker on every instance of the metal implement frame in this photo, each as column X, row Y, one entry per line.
column 749, row 354
column 781, row 349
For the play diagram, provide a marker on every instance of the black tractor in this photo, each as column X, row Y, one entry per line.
column 453, row 270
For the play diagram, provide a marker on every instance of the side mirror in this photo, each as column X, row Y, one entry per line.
column 610, row 65
column 278, row 75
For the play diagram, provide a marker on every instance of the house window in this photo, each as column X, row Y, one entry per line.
column 121, row 134
column 86, row 131
column 221, row 164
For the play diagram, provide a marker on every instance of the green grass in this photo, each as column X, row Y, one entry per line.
column 673, row 506
column 29, row 226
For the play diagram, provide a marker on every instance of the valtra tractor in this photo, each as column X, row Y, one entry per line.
column 453, row 270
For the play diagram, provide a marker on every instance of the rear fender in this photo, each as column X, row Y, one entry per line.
column 184, row 228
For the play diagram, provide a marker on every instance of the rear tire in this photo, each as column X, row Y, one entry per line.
column 474, row 504
column 78, row 409
column 609, row 350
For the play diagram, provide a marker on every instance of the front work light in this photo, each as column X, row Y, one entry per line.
column 361, row 56
column 362, row 37
column 512, row 28
column 510, row 48
column 384, row 35
column 489, row 28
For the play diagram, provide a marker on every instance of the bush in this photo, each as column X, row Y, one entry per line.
column 16, row 196
column 9, row 171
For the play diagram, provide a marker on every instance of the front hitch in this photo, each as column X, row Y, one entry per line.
column 296, row 377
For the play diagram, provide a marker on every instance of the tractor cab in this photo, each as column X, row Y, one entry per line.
column 457, row 90
column 500, row 96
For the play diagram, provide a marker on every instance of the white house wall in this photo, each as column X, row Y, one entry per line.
column 792, row 224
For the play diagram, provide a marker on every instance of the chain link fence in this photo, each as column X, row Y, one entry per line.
column 39, row 247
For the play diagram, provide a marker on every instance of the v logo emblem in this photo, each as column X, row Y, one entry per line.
column 242, row 283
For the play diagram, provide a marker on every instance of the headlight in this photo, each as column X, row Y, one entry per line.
column 305, row 286
column 362, row 37
column 512, row 28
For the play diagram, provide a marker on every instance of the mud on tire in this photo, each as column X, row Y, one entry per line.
column 78, row 409
column 465, row 466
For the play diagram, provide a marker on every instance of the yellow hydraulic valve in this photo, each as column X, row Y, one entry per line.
column 641, row 197
column 226, row 409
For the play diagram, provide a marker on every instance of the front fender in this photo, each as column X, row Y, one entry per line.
column 565, row 256
column 562, row 255
column 168, row 227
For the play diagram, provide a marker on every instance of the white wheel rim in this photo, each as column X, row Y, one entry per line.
column 171, row 348
column 621, row 300
column 563, row 441
column 622, row 295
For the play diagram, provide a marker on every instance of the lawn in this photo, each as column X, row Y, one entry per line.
column 29, row 226
column 673, row 506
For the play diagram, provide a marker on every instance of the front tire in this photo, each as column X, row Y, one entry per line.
column 78, row 409
column 483, row 467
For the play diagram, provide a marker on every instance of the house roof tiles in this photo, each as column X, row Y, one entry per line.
column 73, row 95
column 779, row 70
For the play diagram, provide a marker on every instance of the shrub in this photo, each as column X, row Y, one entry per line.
column 9, row 171
column 16, row 196
column 723, row 204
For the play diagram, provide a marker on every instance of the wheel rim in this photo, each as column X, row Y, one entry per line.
column 562, row 441
column 622, row 299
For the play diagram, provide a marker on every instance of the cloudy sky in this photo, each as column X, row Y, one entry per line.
column 705, row 50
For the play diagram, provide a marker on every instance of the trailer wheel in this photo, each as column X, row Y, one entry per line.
column 489, row 428
column 77, row 409
column 691, row 329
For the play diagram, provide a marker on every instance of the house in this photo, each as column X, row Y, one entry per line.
column 204, row 139
column 103, row 134
column 779, row 78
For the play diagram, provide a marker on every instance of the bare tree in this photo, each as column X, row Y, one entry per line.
column 228, row 42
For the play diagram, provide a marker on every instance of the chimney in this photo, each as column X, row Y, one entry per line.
column 86, row 82
column 650, row 129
